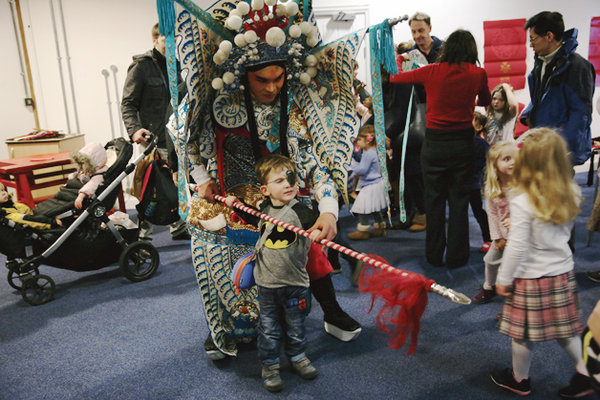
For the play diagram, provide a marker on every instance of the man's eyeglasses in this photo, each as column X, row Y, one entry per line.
column 533, row 39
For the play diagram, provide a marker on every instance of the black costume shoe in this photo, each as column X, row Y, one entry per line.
column 181, row 236
column 337, row 322
column 212, row 350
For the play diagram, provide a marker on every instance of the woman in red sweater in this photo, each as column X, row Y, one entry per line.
column 452, row 85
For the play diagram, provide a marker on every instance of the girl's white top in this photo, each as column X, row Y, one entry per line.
column 534, row 248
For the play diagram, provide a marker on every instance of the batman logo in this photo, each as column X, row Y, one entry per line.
column 279, row 238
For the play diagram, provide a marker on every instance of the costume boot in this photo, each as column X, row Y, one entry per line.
column 337, row 322
column 379, row 230
column 334, row 260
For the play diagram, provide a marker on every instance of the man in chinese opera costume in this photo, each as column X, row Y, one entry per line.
column 257, row 84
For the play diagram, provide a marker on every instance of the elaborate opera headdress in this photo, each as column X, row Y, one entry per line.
column 265, row 34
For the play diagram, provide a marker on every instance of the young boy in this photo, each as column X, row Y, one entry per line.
column 280, row 270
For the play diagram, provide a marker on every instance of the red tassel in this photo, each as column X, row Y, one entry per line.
column 404, row 296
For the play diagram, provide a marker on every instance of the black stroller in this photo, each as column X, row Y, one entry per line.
column 88, row 240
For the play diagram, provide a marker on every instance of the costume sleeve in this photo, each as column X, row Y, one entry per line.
column 132, row 97
column 249, row 218
column 517, row 244
column 306, row 215
column 323, row 187
column 196, row 165
column 484, row 97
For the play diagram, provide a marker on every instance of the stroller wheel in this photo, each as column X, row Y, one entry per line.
column 139, row 261
column 38, row 289
column 15, row 278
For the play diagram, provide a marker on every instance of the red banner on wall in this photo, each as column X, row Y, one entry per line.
column 505, row 52
column 594, row 53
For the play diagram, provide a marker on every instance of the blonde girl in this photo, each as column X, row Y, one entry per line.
column 500, row 164
column 372, row 198
column 536, row 275
column 502, row 114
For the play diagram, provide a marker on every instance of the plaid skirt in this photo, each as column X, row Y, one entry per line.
column 542, row 309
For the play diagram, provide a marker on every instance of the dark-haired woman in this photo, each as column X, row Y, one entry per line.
column 452, row 85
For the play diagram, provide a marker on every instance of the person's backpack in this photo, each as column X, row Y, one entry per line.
column 158, row 199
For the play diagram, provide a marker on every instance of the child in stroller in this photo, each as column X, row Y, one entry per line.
column 88, row 239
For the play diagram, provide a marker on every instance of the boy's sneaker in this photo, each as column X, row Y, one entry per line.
column 580, row 386
column 506, row 379
column 484, row 295
column 271, row 378
column 305, row 369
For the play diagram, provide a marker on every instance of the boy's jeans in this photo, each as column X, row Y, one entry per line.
column 282, row 314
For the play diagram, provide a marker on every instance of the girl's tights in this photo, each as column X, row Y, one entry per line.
column 522, row 354
column 491, row 273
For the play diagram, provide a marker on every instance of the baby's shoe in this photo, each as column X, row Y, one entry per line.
column 271, row 377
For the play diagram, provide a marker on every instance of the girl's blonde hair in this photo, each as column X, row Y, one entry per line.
column 493, row 186
column 544, row 172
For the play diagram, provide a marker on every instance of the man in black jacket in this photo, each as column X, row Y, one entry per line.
column 145, row 102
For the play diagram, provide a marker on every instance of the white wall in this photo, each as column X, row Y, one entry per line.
column 109, row 32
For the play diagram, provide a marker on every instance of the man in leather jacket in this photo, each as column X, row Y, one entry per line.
column 143, row 108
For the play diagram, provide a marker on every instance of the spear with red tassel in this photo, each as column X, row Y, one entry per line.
column 404, row 293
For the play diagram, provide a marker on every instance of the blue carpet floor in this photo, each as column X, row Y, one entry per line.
column 103, row 337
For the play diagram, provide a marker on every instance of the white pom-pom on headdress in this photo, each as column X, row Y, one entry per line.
column 275, row 36
column 295, row 31
column 312, row 40
column 228, row 78
column 250, row 36
column 219, row 57
column 234, row 22
column 225, row 46
column 311, row 71
column 305, row 27
column 240, row 40
column 291, row 8
column 217, row 83
column 235, row 11
column 270, row 2
column 310, row 61
column 243, row 8
column 257, row 4
column 280, row 9
column 305, row 78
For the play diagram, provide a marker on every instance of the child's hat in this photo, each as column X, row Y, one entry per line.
column 91, row 156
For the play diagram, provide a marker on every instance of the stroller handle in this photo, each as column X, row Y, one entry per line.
column 152, row 143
